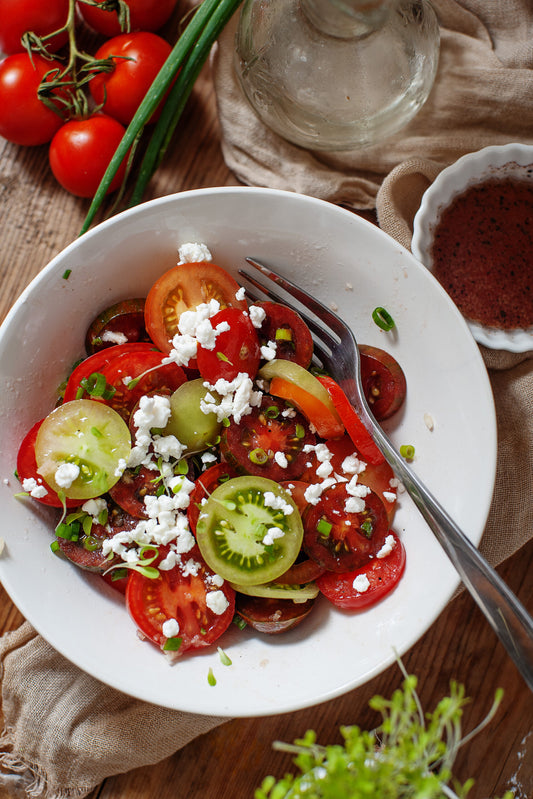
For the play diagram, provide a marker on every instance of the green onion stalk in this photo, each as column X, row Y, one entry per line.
column 179, row 73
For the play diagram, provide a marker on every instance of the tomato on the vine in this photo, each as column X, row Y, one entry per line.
column 24, row 118
column 146, row 15
column 80, row 153
column 42, row 18
column 137, row 58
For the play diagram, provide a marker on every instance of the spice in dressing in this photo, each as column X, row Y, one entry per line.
column 483, row 252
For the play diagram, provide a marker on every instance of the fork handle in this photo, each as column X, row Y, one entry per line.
column 507, row 616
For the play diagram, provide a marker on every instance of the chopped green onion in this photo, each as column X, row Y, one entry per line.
column 407, row 451
column 258, row 456
column 64, row 531
column 91, row 543
column 172, row 644
column 272, row 412
column 283, row 334
column 239, row 622
column 300, row 431
column 96, row 386
column 211, row 679
column 222, row 357
column 54, row 546
column 368, row 528
column 96, row 432
column 66, row 274
column 324, row 527
column 225, row 423
column 383, row 319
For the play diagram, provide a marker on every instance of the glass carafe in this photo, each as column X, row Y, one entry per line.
column 336, row 74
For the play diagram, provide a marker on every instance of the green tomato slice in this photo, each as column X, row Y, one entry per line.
column 88, row 435
column 244, row 536
column 294, row 373
column 192, row 427
column 298, row 593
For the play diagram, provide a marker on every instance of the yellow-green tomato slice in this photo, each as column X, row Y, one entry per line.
column 249, row 531
column 81, row 448
column 192, row 427
column 294, row 373
column 298, row 593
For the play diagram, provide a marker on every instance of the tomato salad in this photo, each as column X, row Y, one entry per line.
column 205, row 469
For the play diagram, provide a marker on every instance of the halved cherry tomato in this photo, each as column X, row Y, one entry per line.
column 122, row 323
column 288, row 331
column 236, row 350
column 272, row 616
column 27, row 469
column 268, row 443
column 384, row 381
column 145, row 367
column 383, row 575
column 75, row 388
column 204, row 485
column 183, row 597
column 340, row 540
column 355, row 428
column 183, row 288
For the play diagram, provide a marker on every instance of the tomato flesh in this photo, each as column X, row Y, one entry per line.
column 384, row 382
column 288, row 331
column 122, row 323
column 236, row 350
column 272, row 616
column 382, row 574
column 183, row 597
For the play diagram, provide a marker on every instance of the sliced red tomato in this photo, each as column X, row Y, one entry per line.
column 148, row 372
column 272, row 616
column 27, row 470
column 133, row 486
column 204, row 485
column 341, row 540
column 267, row 443
column 384, row 382
column 297, row 489
column 383, row 575
column 94, row 364
column 288, row 331
column 355, row 428
column 183, row 288
column 302, row 572
column 122, row 323
column 85, row 551
column 236, row 349
column 184, row 598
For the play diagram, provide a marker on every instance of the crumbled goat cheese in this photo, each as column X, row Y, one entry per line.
column 271, row 534
column 352, row 465
column 277, row 503
column 216, row 601
column 170, row 628
column 387, row 547
column 94, row 507
column 115, row 337
column 237, row 397
column 33, row 488
column 389, row 496
column 207, row 457
column 269, row 350
column 361, row 583
column 354, row 505
column 240, row 295
column 314, row 491
column 281, row 459
column 65, row 474
column 257, row 315
column 121, row 466
column 192, row 252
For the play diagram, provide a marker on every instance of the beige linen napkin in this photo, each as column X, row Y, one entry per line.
column 63, row 730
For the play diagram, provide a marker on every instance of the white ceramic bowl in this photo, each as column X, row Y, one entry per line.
column 343, row 260
column 498, row 161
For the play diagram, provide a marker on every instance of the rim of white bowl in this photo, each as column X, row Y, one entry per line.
column 468, row 170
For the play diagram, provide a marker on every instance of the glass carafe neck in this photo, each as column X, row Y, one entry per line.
column 346, row 19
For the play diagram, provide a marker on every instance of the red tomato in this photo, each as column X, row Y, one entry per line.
column 43, row 18
column 251, row 446
column 383, row 574
column 236, row 349
column 24, row 118
column 183, row 288
column 355, row 428
column 305, row 571
column 146, row 15
column 138, row 57
column 86, row 551
column 174, row 595
column 131, row 489
column 341, row 540
column 94, row 365
column 327, row 425
column 272, row 616
column 154, row 376
column 204, row 485
column 124, row 319
column 288, row 331
column 80, row 153
column 27, row 469
column 384, row 382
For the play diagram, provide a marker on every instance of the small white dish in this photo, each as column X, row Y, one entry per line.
column 345, row 261
column 498, row 161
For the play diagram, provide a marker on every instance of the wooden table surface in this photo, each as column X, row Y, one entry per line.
column 38, row 219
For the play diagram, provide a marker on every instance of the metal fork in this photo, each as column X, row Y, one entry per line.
column 336, row 348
